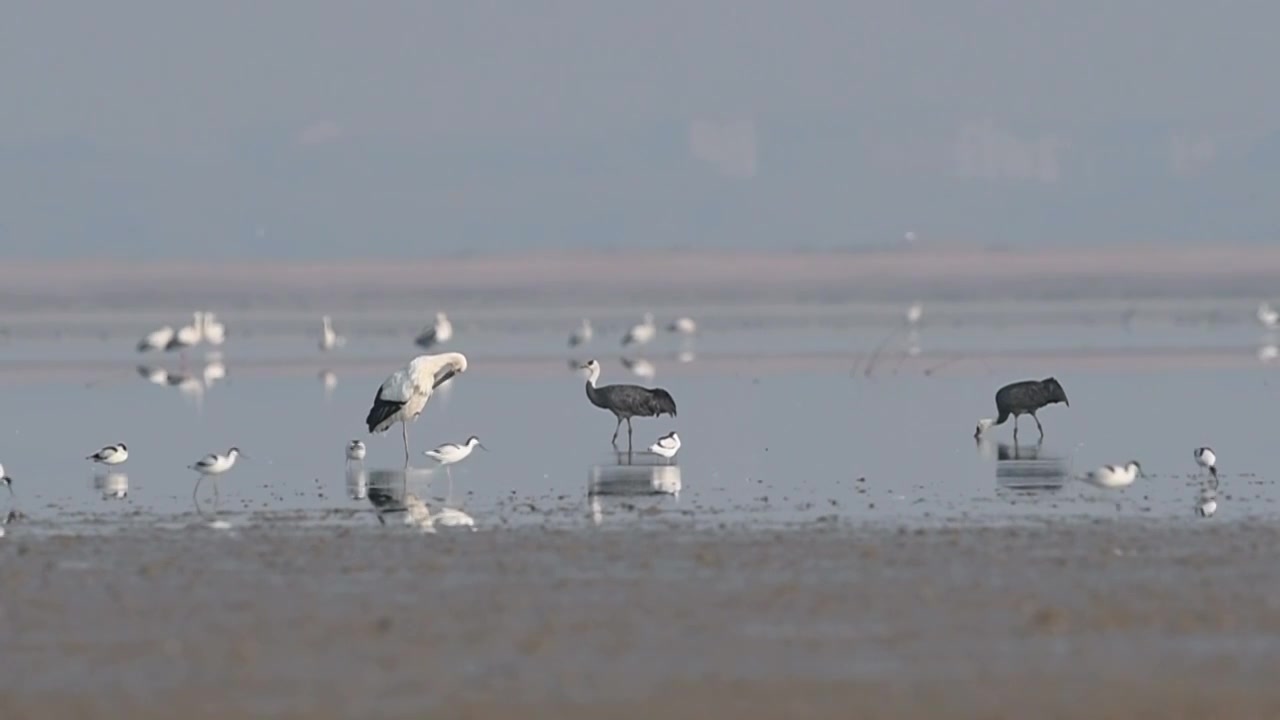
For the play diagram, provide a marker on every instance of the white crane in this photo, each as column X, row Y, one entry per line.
column 405, row 393
column 640, row 334
column 328, row 338
column 436, row 334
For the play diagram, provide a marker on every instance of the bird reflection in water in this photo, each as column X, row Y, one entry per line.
column 113, row 486
column 1207, row 501
column 630, row 481
column 328, row 380
column 1029, row 468
column 389, row 494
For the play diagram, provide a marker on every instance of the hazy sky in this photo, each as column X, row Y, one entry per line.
column 303, row 128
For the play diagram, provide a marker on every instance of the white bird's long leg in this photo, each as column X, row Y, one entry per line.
column 404, row 432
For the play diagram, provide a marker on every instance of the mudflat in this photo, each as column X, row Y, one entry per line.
column 1114, row 618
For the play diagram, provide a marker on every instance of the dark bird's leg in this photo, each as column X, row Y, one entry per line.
column 1015, row 429
column 628, row 437
column 616, row 428
column 1038, row 425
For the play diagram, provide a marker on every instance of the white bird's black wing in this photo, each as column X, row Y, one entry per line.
column 207, row 461
column 394, row 393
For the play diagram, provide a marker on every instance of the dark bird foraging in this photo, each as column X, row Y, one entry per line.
column 627, row 401
column 1024, row 398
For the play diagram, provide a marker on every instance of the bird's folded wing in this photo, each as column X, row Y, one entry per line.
column 396, row 389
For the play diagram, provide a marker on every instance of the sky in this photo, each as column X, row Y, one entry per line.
column 325, row 129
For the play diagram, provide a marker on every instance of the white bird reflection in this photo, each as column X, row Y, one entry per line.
column 1268, row 353
column 1207, row 502
column 634, row 480
column 113, row 486
column 329, row 380
column 640, row 367
column 388, row 491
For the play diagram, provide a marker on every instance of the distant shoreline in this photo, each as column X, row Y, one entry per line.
column 927, row 273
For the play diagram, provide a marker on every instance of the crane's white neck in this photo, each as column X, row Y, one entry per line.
column 593, row 374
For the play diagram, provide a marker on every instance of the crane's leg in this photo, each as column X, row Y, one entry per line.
column 1038, row 425
column 628, row 436
column 616, row 428
column 1015, row 429
column 404, row 432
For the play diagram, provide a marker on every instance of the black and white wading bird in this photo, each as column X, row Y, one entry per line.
column 111, row 455
column 1024, row 398
column 667, row 446
column 1206, row 459
column 406, row 391
column 627, row 401
column 6, row 481
column 439, row 332
column 1114, row 476
column 356, row 451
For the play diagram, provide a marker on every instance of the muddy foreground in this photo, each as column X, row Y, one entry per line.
column 1099, row 620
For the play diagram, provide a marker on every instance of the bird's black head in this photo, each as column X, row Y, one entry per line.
column 1056, row 393
column 124, row 447
column 235, row 450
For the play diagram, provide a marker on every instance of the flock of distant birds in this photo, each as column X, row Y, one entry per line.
column 404, row 395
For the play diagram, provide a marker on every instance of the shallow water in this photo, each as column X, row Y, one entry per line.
column 781, row 426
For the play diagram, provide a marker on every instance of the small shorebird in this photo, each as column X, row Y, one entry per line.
column 436, row 334
column 216, row 463
column 914, row 313
column 156, row 339
column 6, row 481
column 1113, row 476
column 1206, row 459
column 355, row 450
column 329, row 339
column 640, row 334
column 667, row 446
column 1268, row 316
column 582, row 334
column 213, row 332
column 450, row 453
column 683, row 326
column 111, row 455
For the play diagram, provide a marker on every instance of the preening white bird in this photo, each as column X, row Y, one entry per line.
column 356, row 450
column 667, row 446
column 406, row 391
column 188, row 336
column 1207, row 459
column 914, row 313
column 1114, row 476
column 640, row 334
column 214, row 332
column 440, row 332
column 683, row 326
column 156, row 339
column 110, row 455
column 328, row 338
column 582, row 335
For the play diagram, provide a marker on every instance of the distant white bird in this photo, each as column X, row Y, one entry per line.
column 1207, row 503
column 640, row 367
column 1268, row 352
column 188, row 336
column 356, row 450
column 683, row 326
column 667, row 446
column 1268, row 316
column 405, row 392
column 436, row 334
column 1113, row 476
column 155, row 375
column 328, row 338
column 582, row 335
column 156, row 339
column 6, row 481
column 111, row 455
column 213, row 332
column 640, row 334
column 1207, row 459
column 914, row 313
column 909, row 236
column 450, row 453
column 216, row 463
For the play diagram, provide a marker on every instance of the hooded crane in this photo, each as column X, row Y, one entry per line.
column 627, row 401
column 405, row 393
column 1024, row 398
